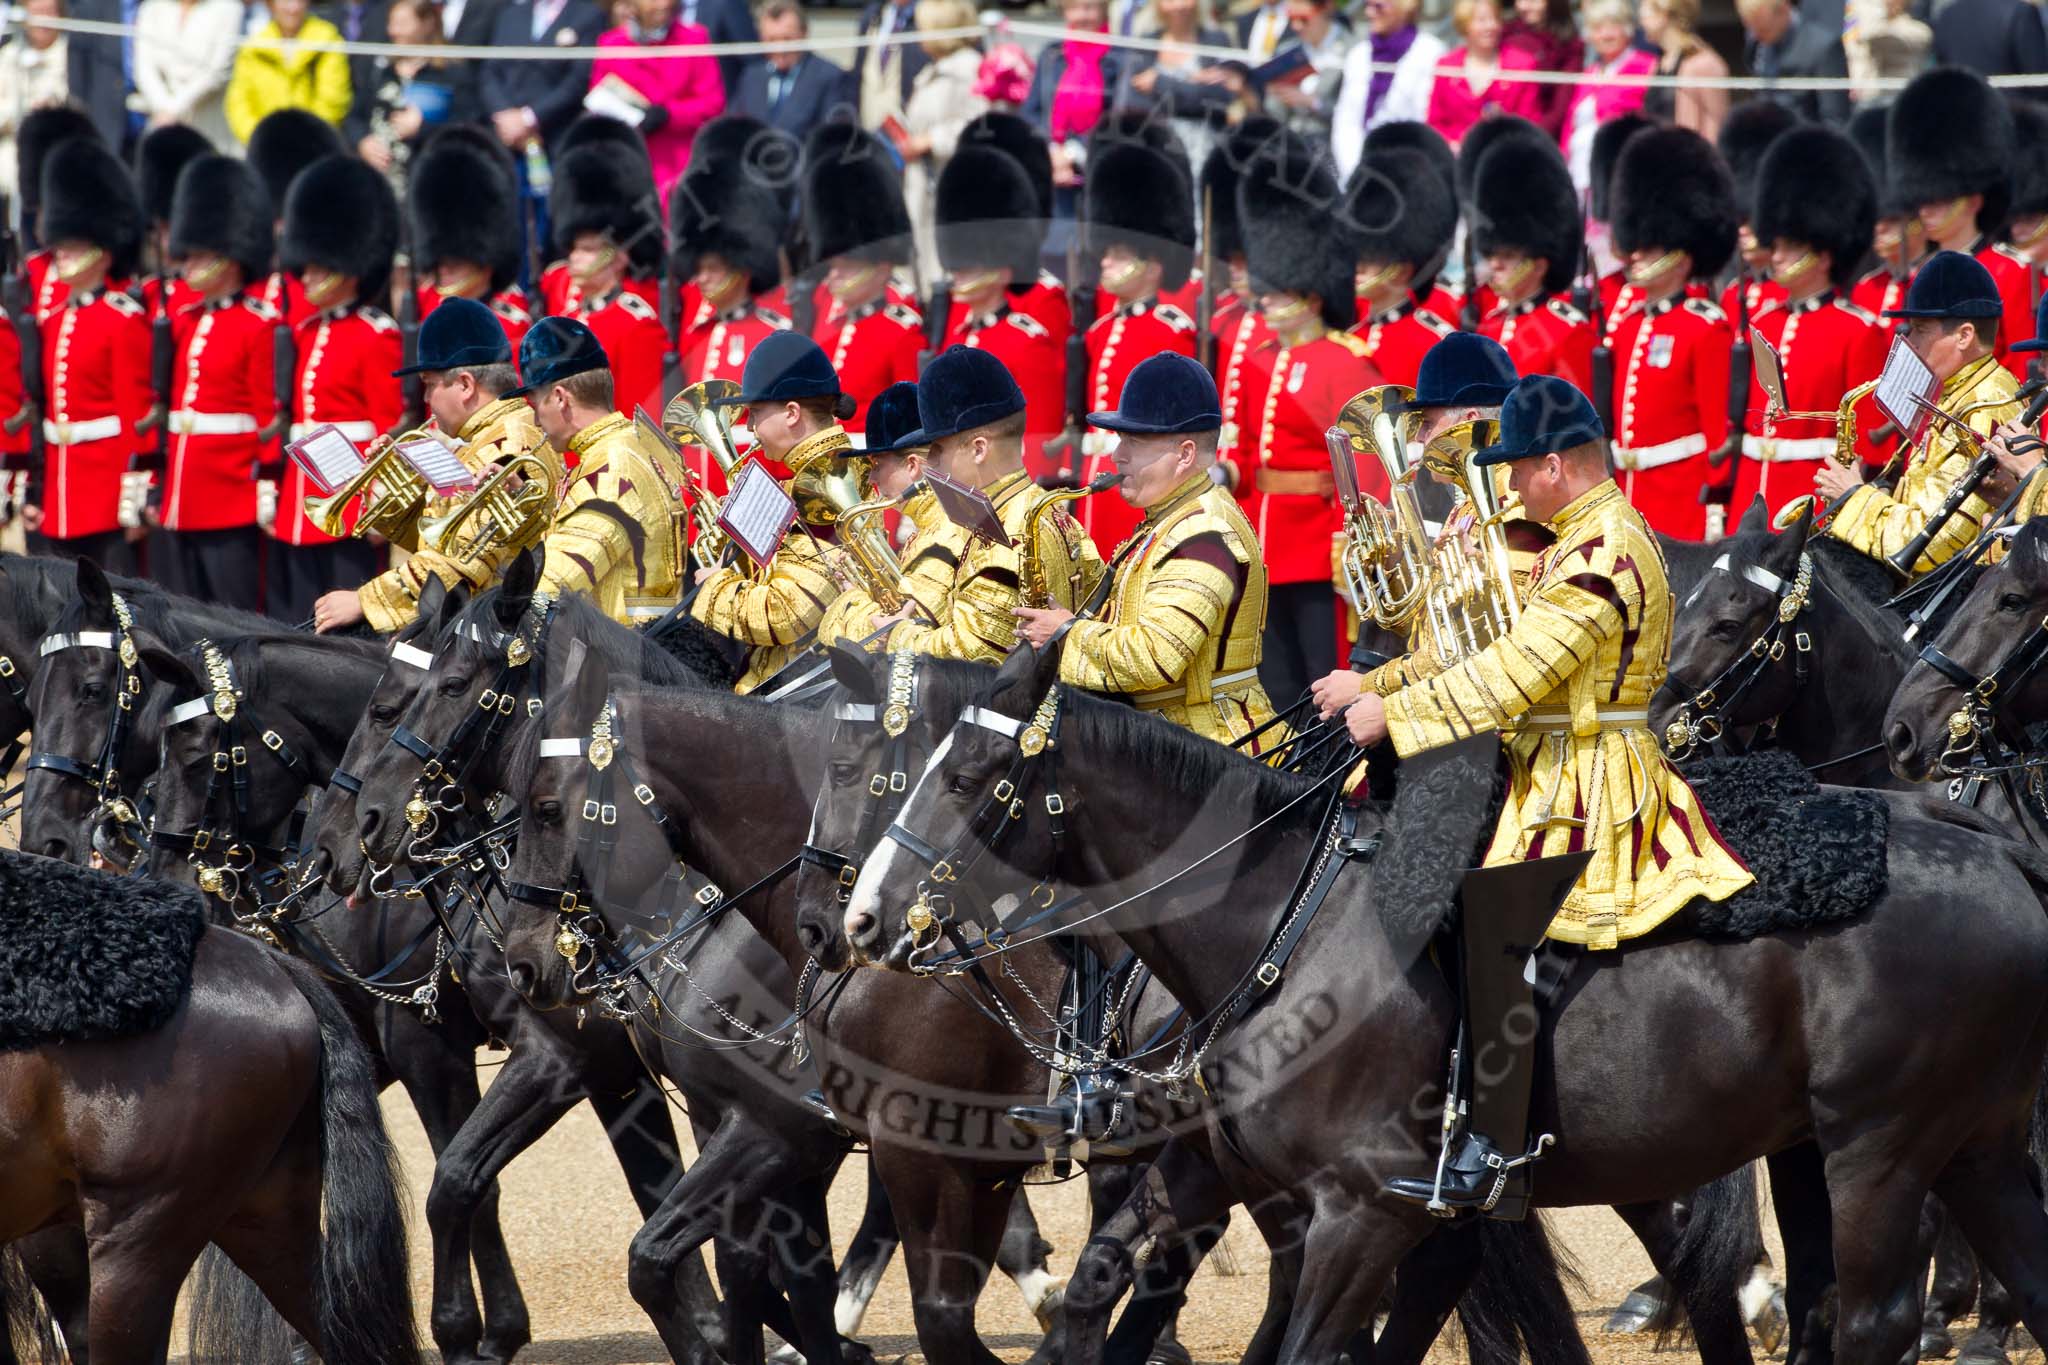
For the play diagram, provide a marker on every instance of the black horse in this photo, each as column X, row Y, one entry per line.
column 1675, row 1059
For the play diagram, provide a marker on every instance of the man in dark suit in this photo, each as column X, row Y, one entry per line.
column 793, row 91
column 540, row 98
column 96, row 70
column 729, row 21
column 1996, row 37
column 1779, row 42
column 882, row 73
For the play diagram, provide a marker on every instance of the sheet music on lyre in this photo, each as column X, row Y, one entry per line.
column 757, row 513
column 437, row 464
column 328, row 458
column 1906, row 379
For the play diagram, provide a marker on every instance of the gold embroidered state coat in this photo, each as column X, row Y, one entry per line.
column 1177, row 636
column 499, row 430
column 979, row 618
column 1879, row 524
column 930, row 559
column 618, row 475
column 1569, row 690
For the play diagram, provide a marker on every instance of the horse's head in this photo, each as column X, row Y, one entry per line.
column 1723, row 671
column 590, row 859
column 337, row 852
column 1982, row 670
column 461, row 705
column 88, row 692
column 962, row 812
column 29, row 602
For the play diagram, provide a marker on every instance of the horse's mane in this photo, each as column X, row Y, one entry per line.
column 245, row 652
column 40, row 587
column 620, row 648
column 1862, row 586
column 179, row 621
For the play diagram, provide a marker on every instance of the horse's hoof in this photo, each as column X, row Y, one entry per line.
column 1047, row 1309
column 1983, row 1350
column 785, row 1354
column 1769, row 1325
column 1169, row 1353
column 853, row 1352
column 1936, row 1343
column 1634, row 1314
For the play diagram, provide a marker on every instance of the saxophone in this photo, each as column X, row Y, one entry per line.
column 1844, row 417
column 1034, row 591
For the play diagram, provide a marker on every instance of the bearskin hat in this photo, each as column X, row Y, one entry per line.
column 88, row 194
column 463, row 195
column 1399, row 210
column 1608, row 140
column 1288, row 202
column 341, row 214
column 221, row 206
column 603, row 187
column 1815, row 187
column 589, row 130
column 2030, row 166
column 41, row 132
column 1673, row 190
column 736, row 220
column 1142, row 198
column 1950, row 134
column 1490, row 132
column 159, row 157
column 853, row 197
column 988, row 214
column 1523, row 200
column 740, row 145
column 1226, row 162
column 1866, row 130
column 1746, row 133
column 1009, row 133
column 284, row 143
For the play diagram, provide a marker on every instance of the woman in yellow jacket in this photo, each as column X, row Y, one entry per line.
column 275, row 71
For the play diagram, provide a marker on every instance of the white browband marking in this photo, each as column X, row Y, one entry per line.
column 561, row 748
column 412, row 655
column 190, row 710
column 1007, row 726
column 90, row 639
column 864, row 712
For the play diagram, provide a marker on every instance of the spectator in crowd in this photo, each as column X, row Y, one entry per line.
column 1369, row 96
column 32, row 76
column 1004, row 80
column 1070, row 92
column 1549, row 32
column 96, row 68
column 1306, row 103
column 184, row 53
column 1170, row 78
column 537, row 100
column 794, row 91
column 1890, row 44
column 360, row 21
column 468, row 23
column 275, row 71
column 942, row 103
column 1468, row 84
column 883, row 71
column 403, row 99
column 1996, row 37
column 1610, row 31
column 1670, row 26
column 675, row 96
column 1263, row 30
column 1780, row 43
column 727, row 21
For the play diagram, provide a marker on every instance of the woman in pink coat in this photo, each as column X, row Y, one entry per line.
column 1468, row 79
column 674, row 96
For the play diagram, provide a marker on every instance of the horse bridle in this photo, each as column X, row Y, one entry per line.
column 1702, row 716
column 227, row 784
column 104, row 774
column 1973, row 726
column 892, row 778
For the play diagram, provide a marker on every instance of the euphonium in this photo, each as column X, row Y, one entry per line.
column 1033, row 590
column 1472, row 598
column 868, row 554
column 691, row 420
column 392, row 509
column 1386, row 547
column 1844, row 456
column 515, row 518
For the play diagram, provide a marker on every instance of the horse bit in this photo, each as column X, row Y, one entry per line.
column 1701, row 718
column 104, row 776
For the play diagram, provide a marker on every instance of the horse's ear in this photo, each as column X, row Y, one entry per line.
column 167, row 667
column 517, row 594
column 94, row 591
column 850, row 667
column 1756, row 519
column 1045, row 663
column 588, row 690
column 1791, row 543
column 433, row 595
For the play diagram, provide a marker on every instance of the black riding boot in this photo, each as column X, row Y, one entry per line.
column 1487, row 1153
column 1092, row 1106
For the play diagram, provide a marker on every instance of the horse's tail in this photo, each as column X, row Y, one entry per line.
column 228, row 1321
column 1718, row 1249
column 1520, row 1292
column 365, row 1299
column 26, row 1331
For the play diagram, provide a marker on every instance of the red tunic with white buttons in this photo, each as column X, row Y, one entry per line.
column 871, row 347
column 346, row 356
column 1294, row 396
column 96, row 382
column 1241, row 331
column 634, row 341
column 1826, row 346
column 1746, row 296
column 11, row 391
column 561, row 296
column 1879, row 292
column 2017, row 282
column 716, row 345
column 511, row 305
column 1397, row 339
column 1545, row 336
column 1129, row 333
column 1671, row 364
column 223, row 396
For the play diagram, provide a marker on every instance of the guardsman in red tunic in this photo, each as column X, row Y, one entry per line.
column 1528, row 233
column 1306, row 373
column 1746, row 134
column 2026, row 234
column 340, row 233
column 1140, row 222
column 1816, row 206
column 95, row 356
column 284, row 143
column 856, row 223
column 463, row 195
column 1673, row 221
column 1951, row 146
column 1403, row 218
column 1237, row 326
column 607, row 224
column 221, row 413
column 989, row 228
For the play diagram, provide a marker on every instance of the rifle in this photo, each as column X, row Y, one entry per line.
column 163, row 363
column 1468, row 313
column 1205, row 302
column 671, row 326
column 938, row 315
column 411, row 387
column 1586, row 298
column 1081, row 299
column 1717, row 495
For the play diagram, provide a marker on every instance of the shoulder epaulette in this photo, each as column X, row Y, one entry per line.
column 1434, row 323
column 259, row 308
column 1173, row 317
column 377, row 318
column 772, row 318
column 1028, row 325
column 1857, row 311
column 1564, row 310
column 1705, row 308
column 1351, row 343
column 636, row 307
column 121, row 303
column 1049, row 280
column 903, row 315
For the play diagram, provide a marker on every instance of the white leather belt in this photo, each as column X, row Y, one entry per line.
column 185, row 422
column 1166, row 696
column 1654, row 457
column 1779, row 449
column 1610, row 717
column 360, row 432
column 78, row 433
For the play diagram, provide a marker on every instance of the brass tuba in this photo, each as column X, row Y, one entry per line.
column 691, row 420
column 865, row 540
column 515, row 519
column 1472, row 597
column 396, row 495
column 1385, row 560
